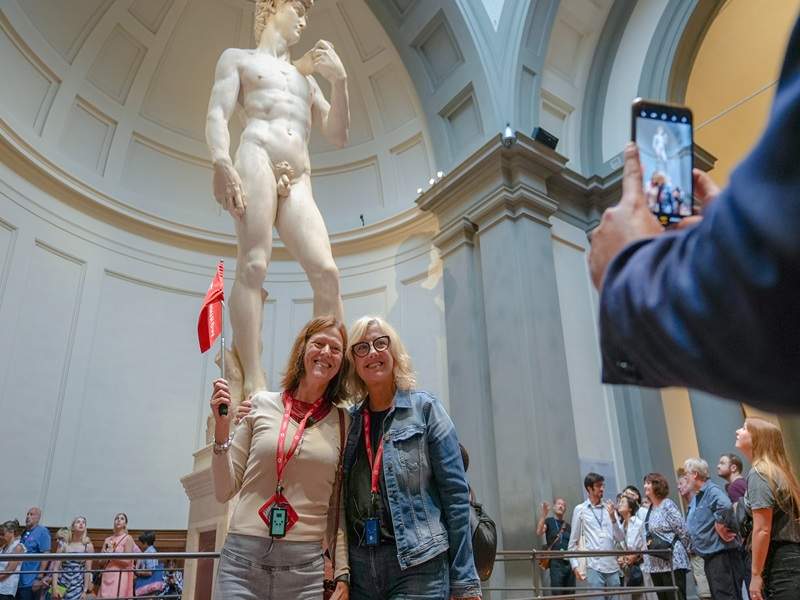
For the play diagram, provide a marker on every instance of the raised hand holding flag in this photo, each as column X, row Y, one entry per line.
column 210, row 325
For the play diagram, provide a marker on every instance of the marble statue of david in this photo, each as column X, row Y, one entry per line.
column 269, row 182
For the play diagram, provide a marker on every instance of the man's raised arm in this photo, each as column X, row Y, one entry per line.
column 227, row 184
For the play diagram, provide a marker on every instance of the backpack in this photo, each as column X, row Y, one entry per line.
column 484, row 540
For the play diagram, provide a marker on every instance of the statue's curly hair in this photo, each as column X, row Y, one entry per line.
column 265, row 8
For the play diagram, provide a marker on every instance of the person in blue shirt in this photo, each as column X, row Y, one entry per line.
column 711, row 306
column 149, row 573
column 721, row 551
column 36, row 539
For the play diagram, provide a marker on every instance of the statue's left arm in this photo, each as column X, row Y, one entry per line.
column 333, row 117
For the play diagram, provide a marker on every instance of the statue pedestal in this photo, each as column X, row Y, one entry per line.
column 207, row 527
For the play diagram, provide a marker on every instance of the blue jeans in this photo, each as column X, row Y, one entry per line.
column 596, row 579
column 375, row 574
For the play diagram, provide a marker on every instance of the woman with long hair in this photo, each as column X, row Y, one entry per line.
column 773, row 497
column 283, row 460
column 664, row 521
column 407, row 496
column 72, row 578
column 10, row 532
column 117, row 579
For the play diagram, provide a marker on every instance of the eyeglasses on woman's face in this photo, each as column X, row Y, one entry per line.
column 361, row 349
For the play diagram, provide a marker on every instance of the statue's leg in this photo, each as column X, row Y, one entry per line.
column 254, row 235
column 300, row 225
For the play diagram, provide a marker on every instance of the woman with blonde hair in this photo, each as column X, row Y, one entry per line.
column 283, row 459
column 407, row 498
column 72, row 578
column 773, row 496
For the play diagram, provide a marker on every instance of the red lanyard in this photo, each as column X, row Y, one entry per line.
column 374, row 463
column 282, row 457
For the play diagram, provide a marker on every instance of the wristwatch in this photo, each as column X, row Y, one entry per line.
column 344, row 577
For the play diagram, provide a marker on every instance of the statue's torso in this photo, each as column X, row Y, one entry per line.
column 277, row 101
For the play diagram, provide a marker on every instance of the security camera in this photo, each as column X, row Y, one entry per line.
column 509, row 136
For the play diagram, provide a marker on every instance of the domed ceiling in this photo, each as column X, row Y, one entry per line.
column 110, row 96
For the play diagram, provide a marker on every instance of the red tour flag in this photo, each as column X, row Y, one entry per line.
column 209, row 325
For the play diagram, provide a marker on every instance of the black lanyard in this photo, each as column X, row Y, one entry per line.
column 594, row 514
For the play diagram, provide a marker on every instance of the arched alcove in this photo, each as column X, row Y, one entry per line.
column 109, row 236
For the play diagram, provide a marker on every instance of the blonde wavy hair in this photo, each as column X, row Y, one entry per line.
column 336, row 392
column 85, row 539
column 265, row 8
column 771, row 462
column 404, row 377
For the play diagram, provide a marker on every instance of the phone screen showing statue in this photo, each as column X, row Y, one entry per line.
column 664, row 137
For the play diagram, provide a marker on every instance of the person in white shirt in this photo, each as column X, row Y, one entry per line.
column 595, row 527
column 633, row 527
column 9, row 570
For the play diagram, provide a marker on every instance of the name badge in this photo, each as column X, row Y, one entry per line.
column 277, row 521
column 372, row 531
column 278, row 515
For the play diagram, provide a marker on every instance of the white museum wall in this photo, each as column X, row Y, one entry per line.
column 114, row 93
column 593, row 405
column 105, row 390
column 573, row 41
column 626, row 73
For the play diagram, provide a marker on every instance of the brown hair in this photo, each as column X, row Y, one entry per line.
column 735, row 460
column 13, row 526
column 336, row 391
column 659, row 484
column 771, row 462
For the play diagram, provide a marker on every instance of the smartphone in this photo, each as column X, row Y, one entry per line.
column 665, row 137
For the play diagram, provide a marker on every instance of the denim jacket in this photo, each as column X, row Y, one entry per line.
column 426, row 484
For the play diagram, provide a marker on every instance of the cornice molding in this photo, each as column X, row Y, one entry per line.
column 32, row 165
column 492, row 167
column 198, row 484
column 457, row 234
column 524, row 180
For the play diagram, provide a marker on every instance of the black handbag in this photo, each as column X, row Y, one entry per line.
column 484, row 540
column 634, row 576
column 653, row 540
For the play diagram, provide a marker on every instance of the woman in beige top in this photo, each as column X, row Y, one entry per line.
column 274, row 547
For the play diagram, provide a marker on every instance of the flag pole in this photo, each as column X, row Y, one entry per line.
column 223, row 410
column 222, row 344
column 222, row 334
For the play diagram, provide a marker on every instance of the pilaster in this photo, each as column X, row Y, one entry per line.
column 509, row 386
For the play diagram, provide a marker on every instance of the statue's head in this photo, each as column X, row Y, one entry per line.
column 289, row 17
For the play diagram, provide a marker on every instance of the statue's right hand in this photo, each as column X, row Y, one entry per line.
column 221, row 397
column 228, row 189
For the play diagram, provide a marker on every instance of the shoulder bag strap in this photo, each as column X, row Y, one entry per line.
column 337, row 489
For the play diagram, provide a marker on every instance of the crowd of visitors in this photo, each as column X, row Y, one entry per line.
column 79, row 579
column 738, row 541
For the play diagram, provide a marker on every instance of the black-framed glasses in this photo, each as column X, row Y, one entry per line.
column 361, row 349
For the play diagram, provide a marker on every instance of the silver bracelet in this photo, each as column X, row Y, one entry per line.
column 224, row 447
